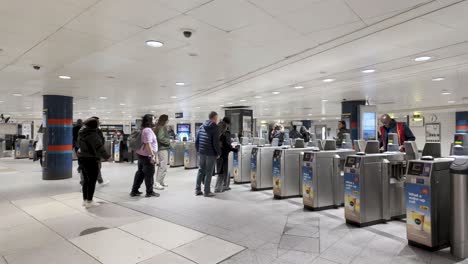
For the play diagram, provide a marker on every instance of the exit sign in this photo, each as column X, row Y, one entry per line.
column 179, row 115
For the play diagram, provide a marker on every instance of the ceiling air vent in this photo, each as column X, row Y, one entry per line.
column 237, row 107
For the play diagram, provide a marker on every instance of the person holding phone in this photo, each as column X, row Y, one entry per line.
column 147, row 159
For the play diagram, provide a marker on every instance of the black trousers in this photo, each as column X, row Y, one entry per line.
column 145, row 173
column 90, row 171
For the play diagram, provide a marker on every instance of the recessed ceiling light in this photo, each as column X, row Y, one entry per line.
column 108, row 112
column 122, row 104
column 266, row 109
column 323, row 118
column 298, row 87
column 64, row 77
column 337, row 118
column 230, row 103
column 28, row 107
column 173, row 97
column 258, row 97
column 17, row 94
column 2, row 101
column 103, row 98
column 438, row 79
column 275, row 92
column 198, row 107
column 221, row 105
column 123, row 112
column 154, row 43
column 422, row 58
column 80, row 113
column 324, row 100
column 92, row 108
column 329, row 80
column 451, row 102
column 446, row 93
column 180, row 83
column 310, row 114
column 29, row 114
column 153, row 111
column 242, row 100
column 368, row 71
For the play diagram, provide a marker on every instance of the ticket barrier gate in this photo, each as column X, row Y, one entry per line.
column 109, row 147
column 322, row 175
column 241, row 164
column 427, row 191
column 118, row 148
column 261, row 168
column 176, row 154
column 24, row 149
column 459, row 197
column 190, row 155
column 374, row 188
column 287, row 176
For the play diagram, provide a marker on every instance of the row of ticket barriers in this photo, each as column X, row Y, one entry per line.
column 429, row 191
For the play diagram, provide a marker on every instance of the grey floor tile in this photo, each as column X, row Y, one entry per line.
column 19, row 239
column 162, row 233
column 320, row 260
column 75, row 225
column 298, row 257
column 115, row 246
column 208, row 250
column 116, row 215
column 167, row 258
column 57, row 252
column 298, row 243
column 50, row 210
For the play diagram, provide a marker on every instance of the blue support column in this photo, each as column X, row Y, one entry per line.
column 462, row 122
column 350, row 114
column 58, row 138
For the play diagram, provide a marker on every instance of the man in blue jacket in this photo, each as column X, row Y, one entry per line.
column 207, row 144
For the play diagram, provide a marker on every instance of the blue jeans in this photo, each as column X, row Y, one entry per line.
column 205, row 172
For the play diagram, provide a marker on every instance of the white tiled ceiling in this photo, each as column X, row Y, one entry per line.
column 239, row 49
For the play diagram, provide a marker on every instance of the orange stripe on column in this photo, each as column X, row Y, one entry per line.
column 59, row 147
column 60, row 122
column 462, row 127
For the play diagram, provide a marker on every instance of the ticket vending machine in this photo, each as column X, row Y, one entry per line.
column 427, row 191
column 190, row 155
column 287, row 176
column 241, row 164
column 322, row 175
column 261, row 168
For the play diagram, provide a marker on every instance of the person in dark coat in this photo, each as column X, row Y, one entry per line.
column 342, row 130
column 222, row 183
column 305, row 134
column 293, row 134
column 207, row 144
column 277, row 133
column 91, row 151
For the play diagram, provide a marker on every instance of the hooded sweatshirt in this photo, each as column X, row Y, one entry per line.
column 207, row 142
column 90, row 144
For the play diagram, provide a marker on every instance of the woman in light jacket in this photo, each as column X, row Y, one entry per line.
column 39, row 145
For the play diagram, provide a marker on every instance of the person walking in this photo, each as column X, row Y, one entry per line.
column 305, row 134
column 39, row 145
column 164, row 143
column 91, row 151
column 75, row 131
column 147, row 159
column 207, row 144
column 223, row 180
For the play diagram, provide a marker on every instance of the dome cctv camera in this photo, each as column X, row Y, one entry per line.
column 36, row 67
column 187, row 32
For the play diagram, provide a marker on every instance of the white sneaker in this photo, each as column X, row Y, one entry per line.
column 84, row 203
column 104, row 182
column 158, row 186
column 90, row 204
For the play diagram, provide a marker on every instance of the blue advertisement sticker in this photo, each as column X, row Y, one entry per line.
column 235, row 164
column 307, row 184
column 352, row 193
column 253, row 171
column 277, row 176
column 418, row 213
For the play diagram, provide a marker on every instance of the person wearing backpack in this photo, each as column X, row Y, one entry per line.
column 91, row 151
column 147, row 158
column 164, row 143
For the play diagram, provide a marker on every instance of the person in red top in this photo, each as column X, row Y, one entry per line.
column 390, row 125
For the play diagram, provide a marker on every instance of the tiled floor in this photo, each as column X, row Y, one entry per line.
column 44, row 222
